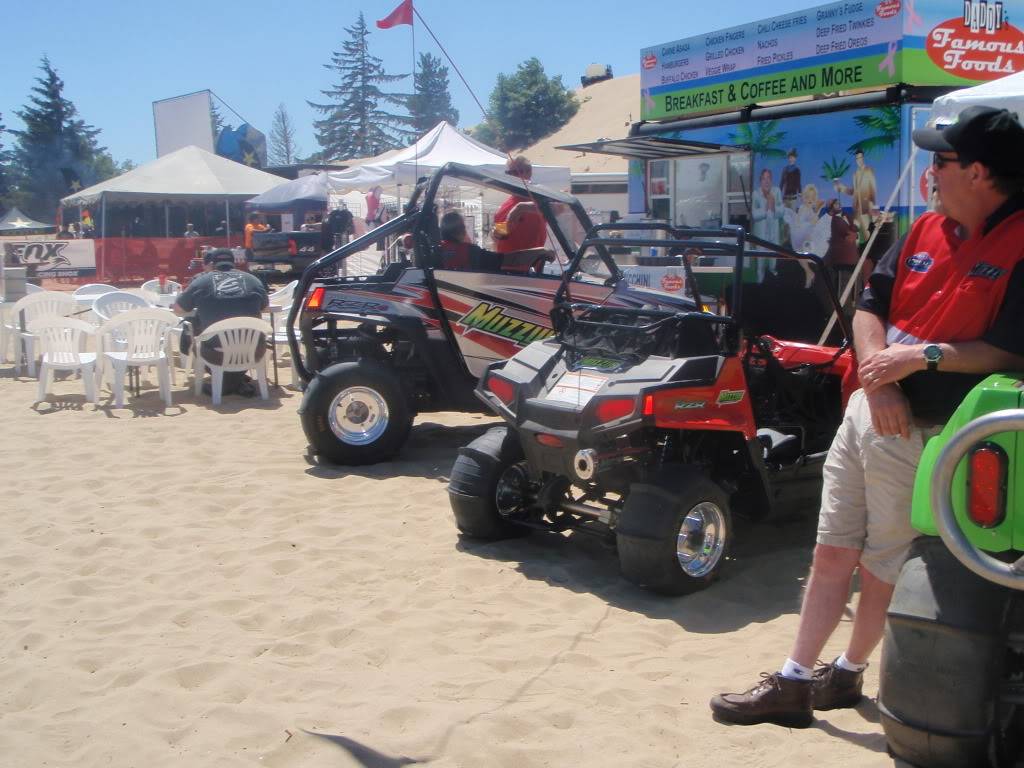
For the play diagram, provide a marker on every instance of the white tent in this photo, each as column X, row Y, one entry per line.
column 1004, row 93
column 189, row 174
column 442, row 144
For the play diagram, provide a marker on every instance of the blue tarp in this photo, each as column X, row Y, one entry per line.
column 302, row 194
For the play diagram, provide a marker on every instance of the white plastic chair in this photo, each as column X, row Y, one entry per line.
column 62, row 341
column 239, row 339
column 170, row 286
column 32, row 288
column 281, row 337
column 283, row 295
column 35, row 306
column 111, row 304
column 136, row 338
column 150, row 297
column 94, row 289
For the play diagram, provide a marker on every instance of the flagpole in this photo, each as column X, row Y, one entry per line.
column 450, row 61
column 416, row 145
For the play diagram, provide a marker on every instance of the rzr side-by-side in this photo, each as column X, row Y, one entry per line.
column 649, row 425
column 374, row 351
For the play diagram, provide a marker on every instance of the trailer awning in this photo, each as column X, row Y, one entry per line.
column 649, row 147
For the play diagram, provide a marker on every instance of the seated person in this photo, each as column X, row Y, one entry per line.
column 457, row 252
column 220, row 292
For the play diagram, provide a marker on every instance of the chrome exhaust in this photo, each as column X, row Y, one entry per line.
column 585, row 463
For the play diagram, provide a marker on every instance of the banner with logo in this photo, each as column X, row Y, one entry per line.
column 836, row 47
column 51, row 258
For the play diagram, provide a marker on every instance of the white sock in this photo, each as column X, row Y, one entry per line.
column 795, row 671
column 844, row 663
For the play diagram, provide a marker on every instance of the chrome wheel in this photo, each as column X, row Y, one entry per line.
column 358, row 415
column 701, row 539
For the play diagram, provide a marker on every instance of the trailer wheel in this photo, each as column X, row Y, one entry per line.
column 674, row 531
column 486, row 476
column 943, row 653
column 355, row 413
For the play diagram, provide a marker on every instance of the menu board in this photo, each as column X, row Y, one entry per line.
column 840, row 46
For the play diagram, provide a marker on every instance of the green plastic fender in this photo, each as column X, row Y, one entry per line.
column 997, row 392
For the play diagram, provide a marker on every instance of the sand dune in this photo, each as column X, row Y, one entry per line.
column 189, row 588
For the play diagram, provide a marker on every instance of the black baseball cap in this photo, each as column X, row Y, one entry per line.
column 993, row 137
column 219, row 256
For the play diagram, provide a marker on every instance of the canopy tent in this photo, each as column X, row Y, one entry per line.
column 15, row 222
column 189, row 175
column 442, row 144
column 304, row 192
column 1004, row 93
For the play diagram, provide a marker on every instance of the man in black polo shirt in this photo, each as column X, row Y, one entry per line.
column 944, row 308
column 219, row 293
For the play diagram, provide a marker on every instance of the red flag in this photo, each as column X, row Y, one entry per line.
column 401, row 15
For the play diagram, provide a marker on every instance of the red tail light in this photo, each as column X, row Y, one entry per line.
column 316, row 299
column 502, row 389
column 986, row 485
column 613, row 408
column 551, row 441
column 648, row 405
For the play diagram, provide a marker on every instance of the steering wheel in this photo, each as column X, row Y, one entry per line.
column 1010, row 575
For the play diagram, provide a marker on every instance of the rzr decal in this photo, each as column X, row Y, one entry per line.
column 685, row 405
column 491, row 319
column 354, row 305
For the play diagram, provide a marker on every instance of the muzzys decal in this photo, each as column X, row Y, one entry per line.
column 491, row 319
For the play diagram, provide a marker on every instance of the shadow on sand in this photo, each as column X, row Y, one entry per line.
column 762, row 579
column 365, row 756
column 429, row 453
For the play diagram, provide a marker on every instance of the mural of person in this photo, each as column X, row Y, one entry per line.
column 789, row 182
column 808, row 230
column 767, row 209
column 864, row 193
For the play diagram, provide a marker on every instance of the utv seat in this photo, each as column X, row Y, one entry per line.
column 775, row 443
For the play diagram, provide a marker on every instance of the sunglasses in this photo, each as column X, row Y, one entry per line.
column 940, row 161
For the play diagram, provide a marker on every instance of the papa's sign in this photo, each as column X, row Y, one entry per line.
column 51, row 258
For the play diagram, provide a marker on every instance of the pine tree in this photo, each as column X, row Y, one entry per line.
column 217, row 122
column 431, row 103
column 283, row 149
column 55, row 149
column 355, row 122
column 526, row 106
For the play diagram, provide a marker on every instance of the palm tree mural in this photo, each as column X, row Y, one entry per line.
column 835, row 168
column 881, row 130
column 760, row 138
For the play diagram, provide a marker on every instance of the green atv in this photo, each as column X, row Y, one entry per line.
column 952, row 673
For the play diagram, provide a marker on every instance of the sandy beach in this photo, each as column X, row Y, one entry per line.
column 190, row 588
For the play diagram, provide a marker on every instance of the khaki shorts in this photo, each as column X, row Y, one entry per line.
column 867, row 490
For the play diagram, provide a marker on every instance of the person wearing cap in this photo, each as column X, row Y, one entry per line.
column 518, row 225
column 220, row 292
column 942, row 310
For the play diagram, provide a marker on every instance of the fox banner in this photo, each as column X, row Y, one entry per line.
column 51, row 258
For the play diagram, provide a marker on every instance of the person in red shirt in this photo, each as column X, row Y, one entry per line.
column 943, row 309
column 457, row 252
column 518, row 225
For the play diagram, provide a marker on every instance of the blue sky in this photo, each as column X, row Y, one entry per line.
column 116, row 57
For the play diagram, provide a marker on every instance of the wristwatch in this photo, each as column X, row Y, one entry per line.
column 932, row 356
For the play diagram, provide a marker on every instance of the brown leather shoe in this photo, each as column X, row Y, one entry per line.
column 776, row 699
column 836, row 688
